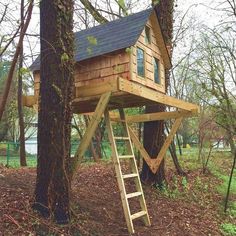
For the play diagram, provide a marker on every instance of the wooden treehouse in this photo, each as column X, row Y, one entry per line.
column 122, row 64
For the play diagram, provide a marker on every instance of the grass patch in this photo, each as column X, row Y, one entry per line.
column 14, row 162
column 228, row 229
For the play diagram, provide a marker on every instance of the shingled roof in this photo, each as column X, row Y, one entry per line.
column 108, row 37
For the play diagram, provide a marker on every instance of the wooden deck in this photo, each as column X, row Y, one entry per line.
column 124, row 94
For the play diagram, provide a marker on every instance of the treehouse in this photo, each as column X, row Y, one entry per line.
column 127, row 56
column 122, row 64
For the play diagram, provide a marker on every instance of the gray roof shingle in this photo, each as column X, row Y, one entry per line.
column 108, row 37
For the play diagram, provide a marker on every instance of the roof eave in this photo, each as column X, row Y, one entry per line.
column 165, row 52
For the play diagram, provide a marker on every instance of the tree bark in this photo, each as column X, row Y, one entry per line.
column 19, row 99
column 178, row 168
column 91, row 145
column 153, row 139
column 52, row 192
column 173, row 154
column 230, row 181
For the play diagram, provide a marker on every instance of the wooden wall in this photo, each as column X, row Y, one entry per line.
column 103, row 68
column 151, row 50
column 121, row 63
column 36, row 83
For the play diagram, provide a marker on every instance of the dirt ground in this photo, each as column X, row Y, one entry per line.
column 97, row 209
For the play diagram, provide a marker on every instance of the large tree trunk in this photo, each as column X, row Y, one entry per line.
column 19, row 99
column 52, row 193
column 153, row 139
column 154, row 131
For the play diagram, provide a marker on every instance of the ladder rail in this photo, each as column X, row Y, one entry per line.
column 118, row 171
column 116, row 157
column 134, row 168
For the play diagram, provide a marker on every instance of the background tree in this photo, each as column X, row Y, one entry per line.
column 15, row 59
column 19, row 95
column 215, row 72
column 52, row 192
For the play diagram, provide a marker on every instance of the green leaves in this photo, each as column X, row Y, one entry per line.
column 64, row 57
column 92, row 40
column 129, row 50
column 155, row 2
column 121, row 4
column 23, row 71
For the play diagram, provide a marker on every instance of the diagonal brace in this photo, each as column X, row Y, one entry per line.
column 93, row 124
column 140, row 147
column 156, row 162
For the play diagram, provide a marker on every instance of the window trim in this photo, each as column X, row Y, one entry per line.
column 144, row 59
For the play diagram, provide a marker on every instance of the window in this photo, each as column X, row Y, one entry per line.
column 140, row 62
column 147, row 35
column 156, row 70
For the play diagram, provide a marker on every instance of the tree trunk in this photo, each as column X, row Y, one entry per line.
column 230, row 181
column 52, row 192
column 19, row 98
column 173, row 154
column 153, row 139
column 178, row 168
column 179, row 144
column 92, row 148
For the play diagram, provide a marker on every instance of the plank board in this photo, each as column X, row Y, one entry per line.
column 155, row 96
column 155, row 116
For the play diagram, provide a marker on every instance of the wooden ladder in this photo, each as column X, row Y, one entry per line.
column 117, row 158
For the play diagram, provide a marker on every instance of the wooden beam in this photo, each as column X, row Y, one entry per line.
column 29, row 101
column 140, row 147
column 154, row 116
column 153, row 95
column 161, row 154
column 93, row 124
column 96, row 89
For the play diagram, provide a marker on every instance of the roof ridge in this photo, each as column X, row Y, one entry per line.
column 111, row 36
column 116, row 20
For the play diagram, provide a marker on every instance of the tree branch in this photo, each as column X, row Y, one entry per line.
column 14, row 61
column 92, row 10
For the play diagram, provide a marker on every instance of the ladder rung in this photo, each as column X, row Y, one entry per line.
column 126, row 156
column 136, row 194
column 138, row 215
column 129, row 176
column 122, row 138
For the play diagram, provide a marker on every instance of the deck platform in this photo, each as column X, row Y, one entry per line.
column 125, row 94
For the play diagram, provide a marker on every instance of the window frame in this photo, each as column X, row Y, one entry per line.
column 147, row 33
column 156, row 61
column 144, row 58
